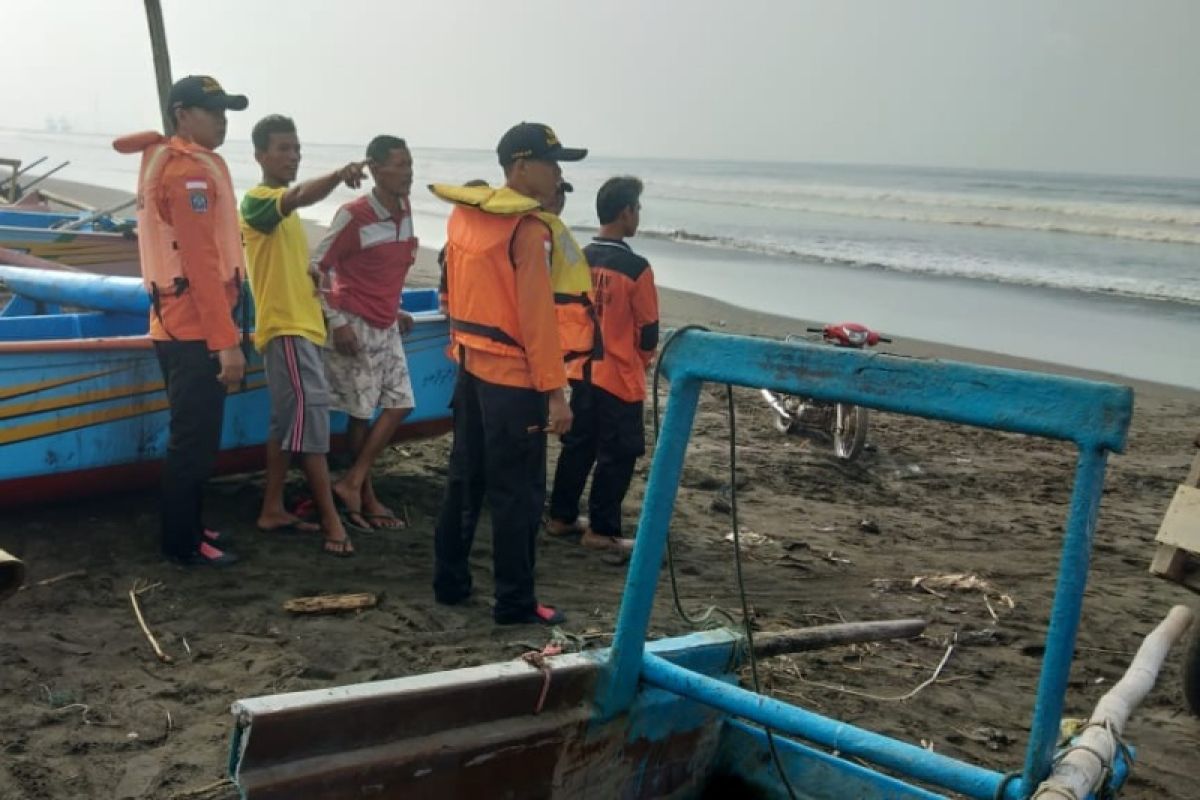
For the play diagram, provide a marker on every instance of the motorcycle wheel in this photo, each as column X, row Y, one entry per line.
column 1191, row 672
column 849, row 431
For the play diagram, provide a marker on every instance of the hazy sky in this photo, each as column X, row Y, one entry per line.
column 1072, row 85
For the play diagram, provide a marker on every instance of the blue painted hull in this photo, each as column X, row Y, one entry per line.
column 21, row 218
column 82, row 407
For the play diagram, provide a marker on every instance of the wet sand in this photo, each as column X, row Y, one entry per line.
column 88, row 712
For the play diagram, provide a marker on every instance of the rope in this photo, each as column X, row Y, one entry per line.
column 737, row 549
column 537, row 660
column 1002, row 787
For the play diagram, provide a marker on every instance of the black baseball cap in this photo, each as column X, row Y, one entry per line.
column 203, row 92
column 535, row 140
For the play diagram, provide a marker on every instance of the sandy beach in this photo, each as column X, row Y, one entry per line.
column 88, row 712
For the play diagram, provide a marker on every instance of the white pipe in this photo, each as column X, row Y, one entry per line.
column 1091, row 754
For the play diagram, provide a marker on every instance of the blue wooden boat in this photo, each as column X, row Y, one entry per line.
column 668, row 719
column 101, row 244
column 82, row 407
column 15, row 217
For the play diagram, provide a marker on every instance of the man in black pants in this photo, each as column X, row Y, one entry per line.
column 511, row 381
column 606, row 403
column 190, row 247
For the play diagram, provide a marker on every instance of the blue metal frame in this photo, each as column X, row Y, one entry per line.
column 1095, row 416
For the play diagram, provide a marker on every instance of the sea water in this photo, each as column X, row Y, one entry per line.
column 1093, row 271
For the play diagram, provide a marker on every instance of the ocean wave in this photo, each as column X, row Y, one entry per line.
column 1096, row 226
column 953, row 267
column 867, row 201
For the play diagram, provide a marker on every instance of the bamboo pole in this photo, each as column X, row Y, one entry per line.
column 798, row 640
column 1090, row 756
column 162, row 60
column 12, row 574
column 87, row 219
column 19, row 172
column 23, row 189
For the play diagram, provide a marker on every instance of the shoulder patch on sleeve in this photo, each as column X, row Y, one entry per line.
column 198, row 199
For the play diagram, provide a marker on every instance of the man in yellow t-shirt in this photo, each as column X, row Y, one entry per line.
column 289, row 326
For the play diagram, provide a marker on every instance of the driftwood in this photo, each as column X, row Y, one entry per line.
column 330, row 603
column 65, row 576
column 12, row 574
column 1090, row 755
column 136, row 590
column 819, row 637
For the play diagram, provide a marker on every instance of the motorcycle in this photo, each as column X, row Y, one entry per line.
column 842, row 423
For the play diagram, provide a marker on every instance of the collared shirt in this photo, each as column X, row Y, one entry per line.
column 285, row 299
column 367, row 254
column 627, row 308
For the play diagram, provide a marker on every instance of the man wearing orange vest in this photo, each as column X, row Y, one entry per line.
column 193, row 266
column 511, row 381
column 607, row 392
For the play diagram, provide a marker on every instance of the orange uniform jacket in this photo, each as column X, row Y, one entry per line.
column 500, row 301
column 189, row 201
column 627, row 307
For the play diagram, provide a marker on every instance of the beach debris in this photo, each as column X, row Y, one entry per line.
column 208, row 790
column 66, row 576
column 992, row 738
column 140, row 587
column 12, row 574
column 749, row 538
column 868, row 526
column 892, row 698
column 331, row 603
column 722, row 501
column 835, row 559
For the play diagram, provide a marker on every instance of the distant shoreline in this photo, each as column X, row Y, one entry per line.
column 681, row 307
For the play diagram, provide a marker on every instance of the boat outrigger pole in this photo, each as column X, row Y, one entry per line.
column 162, row 59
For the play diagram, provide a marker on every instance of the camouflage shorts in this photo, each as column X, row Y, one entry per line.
column 376, row 377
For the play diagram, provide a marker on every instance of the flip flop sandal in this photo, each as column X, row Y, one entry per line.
column 292, row 527
column 347, row 521
column 339, row 548
column 370, row 518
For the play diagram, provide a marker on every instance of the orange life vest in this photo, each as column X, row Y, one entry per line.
column 162, row 273
column 571, row 278
column 481, row 281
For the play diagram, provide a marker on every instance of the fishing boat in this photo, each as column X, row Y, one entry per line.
column 15, row 217
column 31, row 233
column 669, row 719
column 82, row 406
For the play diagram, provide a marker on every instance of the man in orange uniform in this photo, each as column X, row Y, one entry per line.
column 193, row 267
column 511, row 379
column 607, row 393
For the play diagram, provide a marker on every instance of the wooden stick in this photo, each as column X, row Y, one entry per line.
column 137, row 610
column 75, row 573
column 330, row 603
column 1092, row 752
column 899, row 698
column 819, row 637
column 203, row 790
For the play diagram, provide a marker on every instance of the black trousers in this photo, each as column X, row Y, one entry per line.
column 197, row 402
column 498, row 456
column 607, row 432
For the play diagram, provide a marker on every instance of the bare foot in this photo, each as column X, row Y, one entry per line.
column 351, row 503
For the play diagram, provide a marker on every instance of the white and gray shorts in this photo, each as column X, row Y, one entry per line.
column 376, row 377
